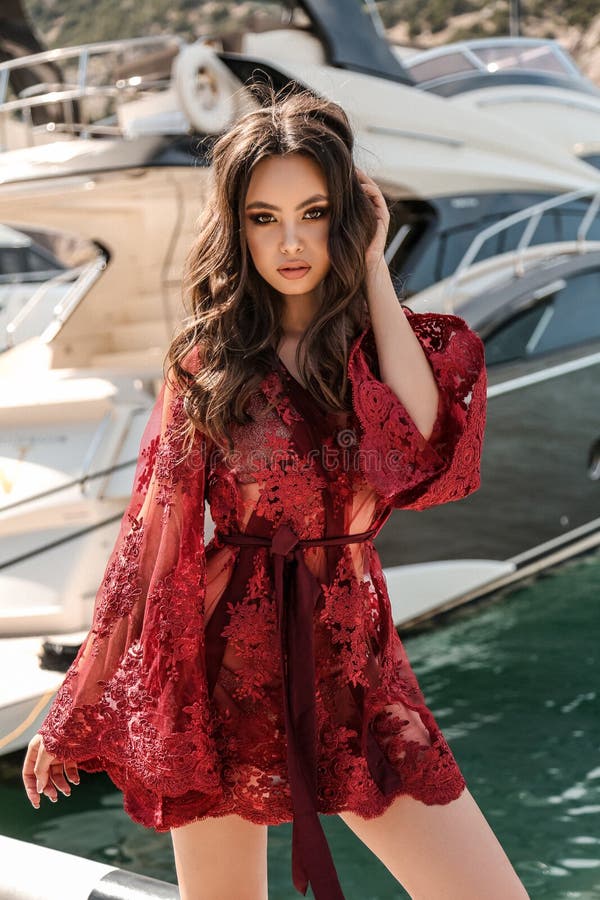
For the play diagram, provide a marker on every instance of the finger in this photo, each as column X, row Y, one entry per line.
column 31, row 790
column 42, row 775
column 375, row 195
column 29, row 777
column 33, row 794
column 366, row 179
column 46, row 787
column 378, row 200
column 71, row 771
column 58, row 777
column 49, row 790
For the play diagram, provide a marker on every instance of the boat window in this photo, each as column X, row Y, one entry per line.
column 427, row 255
column 37, row 262
column 568, row 317
column 419, row 273
column 593, row 159
column 576, row 314
column 25, row 261
column 11, row 260
column 571, row 221
column 510, row 237
column 455, row 243
column 440, row 66
column 509, row 342
column 508, row 57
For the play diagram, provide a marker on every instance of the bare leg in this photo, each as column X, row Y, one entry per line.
column 446, row 851
column 221, row 858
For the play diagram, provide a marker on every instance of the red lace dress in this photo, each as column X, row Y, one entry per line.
column 261, row 674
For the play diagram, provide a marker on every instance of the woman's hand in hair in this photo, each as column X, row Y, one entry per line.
column 374, row 253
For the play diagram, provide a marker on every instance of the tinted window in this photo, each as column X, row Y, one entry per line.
column 510, row 340
column 24, row 261
column 592, row 158
column 440, row 66
column 37, row 262
column 11, row 260
column 455, row 242
column 576, row 314
column 569, row 317
column 424, row 258
column 422, row 273
column 510, row 57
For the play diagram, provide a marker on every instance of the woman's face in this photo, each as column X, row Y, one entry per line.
column 287, row 222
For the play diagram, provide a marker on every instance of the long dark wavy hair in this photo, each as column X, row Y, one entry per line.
column 235, row 315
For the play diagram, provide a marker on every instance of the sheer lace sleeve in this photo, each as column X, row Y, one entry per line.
column 130, row 700
column 402, row 466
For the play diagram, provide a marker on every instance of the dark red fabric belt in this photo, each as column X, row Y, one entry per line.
column 297, row 591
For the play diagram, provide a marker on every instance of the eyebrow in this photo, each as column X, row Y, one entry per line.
column 258, row 203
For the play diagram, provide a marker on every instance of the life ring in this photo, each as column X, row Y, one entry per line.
column 205, row 88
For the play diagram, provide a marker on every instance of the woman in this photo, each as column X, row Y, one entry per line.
column 259, row 679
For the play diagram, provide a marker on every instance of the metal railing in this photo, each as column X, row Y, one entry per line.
column 66, row 92
column 83, row 480
column 532, row 215
column 85, row 276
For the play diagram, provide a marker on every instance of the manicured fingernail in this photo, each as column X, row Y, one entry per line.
column 54, row 799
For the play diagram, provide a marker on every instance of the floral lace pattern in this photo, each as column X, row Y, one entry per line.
column 408, row 470
column 136, row 701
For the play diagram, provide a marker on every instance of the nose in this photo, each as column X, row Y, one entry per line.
column 290, row 242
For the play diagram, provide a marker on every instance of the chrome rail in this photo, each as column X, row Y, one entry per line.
column 532, row 215
column 84, row 479
column 74, row 296
column 85, row 276
column 79, row 88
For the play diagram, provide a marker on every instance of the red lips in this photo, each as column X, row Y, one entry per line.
column 294, row 264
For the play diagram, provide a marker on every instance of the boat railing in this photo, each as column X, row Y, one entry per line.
column 532, row 215
column 82, row 483
column 82, row 277
column 114, row 85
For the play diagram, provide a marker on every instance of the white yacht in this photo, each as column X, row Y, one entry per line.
column 115, row 156
column 532, row 83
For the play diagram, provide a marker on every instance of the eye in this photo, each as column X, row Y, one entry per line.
column 321, row 210
column 260, row 216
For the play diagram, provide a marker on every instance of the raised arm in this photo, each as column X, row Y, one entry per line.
column 405, row 468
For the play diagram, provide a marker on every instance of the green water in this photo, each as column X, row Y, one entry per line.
column 513, row 684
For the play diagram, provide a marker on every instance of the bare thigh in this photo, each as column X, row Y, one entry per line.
column 221, row 858
column 446, row 852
